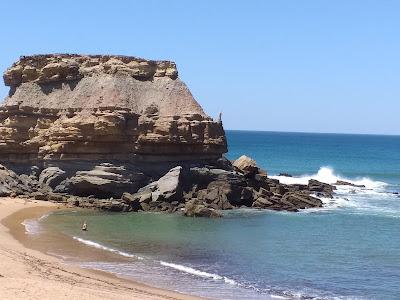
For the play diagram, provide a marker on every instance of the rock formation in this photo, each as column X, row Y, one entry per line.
column 124, row 134
column 81, row 107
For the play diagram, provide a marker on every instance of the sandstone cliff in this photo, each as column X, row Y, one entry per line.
column 125, row 134
column 75, row 107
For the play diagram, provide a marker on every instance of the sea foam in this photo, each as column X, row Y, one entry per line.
column 327, row 175
column 32, row 226
column 105, row 248
column 198, row 272
column 177, row 267
column 372, row 199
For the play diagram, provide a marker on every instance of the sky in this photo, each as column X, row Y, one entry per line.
column 308, row 66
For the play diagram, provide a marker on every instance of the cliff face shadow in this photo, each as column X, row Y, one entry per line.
column 47, row 88
column 72, row 84
column 12, row 91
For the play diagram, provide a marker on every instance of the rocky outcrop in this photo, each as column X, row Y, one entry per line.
column 102, row 125
column 125, row 134
column 77, row 107
column 200, row 191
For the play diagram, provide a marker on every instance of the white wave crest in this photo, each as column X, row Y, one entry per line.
column 102, row 247
column 327, row 175
column 369, row 197
column 198, row 272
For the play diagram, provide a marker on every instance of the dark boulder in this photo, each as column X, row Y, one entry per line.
column 285, row 175
column 320, row 187
column 203, row 176
column 51, row 177
column 11, row 184
column 300, row 200
column 341, row 182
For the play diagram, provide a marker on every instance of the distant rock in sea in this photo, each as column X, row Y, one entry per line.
column 124, row 134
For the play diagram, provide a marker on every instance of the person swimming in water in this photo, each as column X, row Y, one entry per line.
column 84, row 226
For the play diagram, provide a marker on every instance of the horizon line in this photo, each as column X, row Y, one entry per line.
column 310, row 132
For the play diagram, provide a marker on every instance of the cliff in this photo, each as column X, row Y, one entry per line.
column 125, row 134
column 69, row 107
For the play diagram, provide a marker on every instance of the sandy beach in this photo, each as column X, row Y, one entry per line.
column 30, row 274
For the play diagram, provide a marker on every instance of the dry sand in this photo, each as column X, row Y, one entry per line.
column 29, row 274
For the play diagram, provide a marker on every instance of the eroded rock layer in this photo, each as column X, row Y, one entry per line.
column 74, row 107
column 75, row 81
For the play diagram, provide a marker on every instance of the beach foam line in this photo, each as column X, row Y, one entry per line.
column 198, row 272
column 102, row 247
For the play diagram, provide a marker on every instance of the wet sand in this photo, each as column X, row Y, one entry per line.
column 27, row 272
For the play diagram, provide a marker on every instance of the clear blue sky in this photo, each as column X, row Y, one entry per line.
column 315, row 66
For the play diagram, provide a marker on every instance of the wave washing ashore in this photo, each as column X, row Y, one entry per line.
column 348, row 249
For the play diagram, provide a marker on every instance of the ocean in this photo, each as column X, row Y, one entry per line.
column 349, row 249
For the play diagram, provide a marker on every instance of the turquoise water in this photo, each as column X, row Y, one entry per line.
column 350, row 249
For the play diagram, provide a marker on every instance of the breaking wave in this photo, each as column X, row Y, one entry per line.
column 328, row 175
column 368, row 197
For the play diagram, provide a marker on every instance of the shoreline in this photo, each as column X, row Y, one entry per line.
column 27, row 272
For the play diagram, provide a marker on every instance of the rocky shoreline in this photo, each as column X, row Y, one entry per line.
column 122, row 133
column 192, row 190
